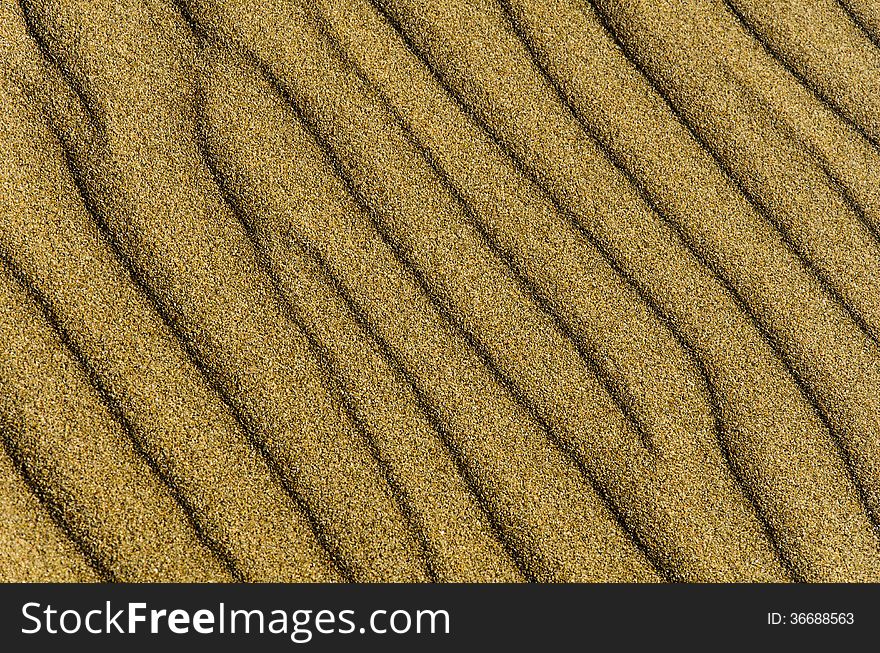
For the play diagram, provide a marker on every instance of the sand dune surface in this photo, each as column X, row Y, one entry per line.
column 471, row 290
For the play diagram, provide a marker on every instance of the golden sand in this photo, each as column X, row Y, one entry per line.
column 390, row 290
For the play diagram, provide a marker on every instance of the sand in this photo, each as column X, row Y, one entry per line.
column 464, row 291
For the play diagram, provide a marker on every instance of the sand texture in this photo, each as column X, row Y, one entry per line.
column 466, row 290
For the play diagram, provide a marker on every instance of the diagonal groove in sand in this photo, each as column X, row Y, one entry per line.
column 817, row 157
column 469, row 290
column 422, row 402
column 781, row 216
column 401, row 256
column 57, row 519
column 367, row 513
column 115, row 411
column 860, row 15
column 139, row 285
column 739, row 8
column 266, row 264
column 617, row 391
column 183, row 555
column 723, row 278
column 753, row 199
column 509, row 263
column 817, row 390
column 37, row 545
